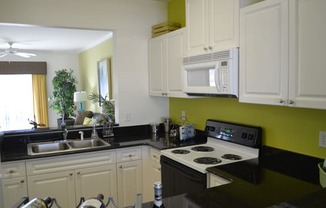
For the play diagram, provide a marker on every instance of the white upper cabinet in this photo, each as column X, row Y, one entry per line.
column 165, row 64
column 212, row 25
column 307, row 53
column 264, row 52
column 281, row 57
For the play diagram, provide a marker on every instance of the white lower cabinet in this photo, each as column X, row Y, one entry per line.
column 68, row 178
column 155, row 166
column 129, row 182
column 151, row 171
column 13, row 190
column 60, row 186
column 101, row 179
column 114, row 173
column 129, row 175
column 14, row 185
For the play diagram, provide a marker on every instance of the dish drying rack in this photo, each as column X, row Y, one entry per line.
column 55, row 204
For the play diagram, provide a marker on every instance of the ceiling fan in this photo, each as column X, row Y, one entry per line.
column 15, row 51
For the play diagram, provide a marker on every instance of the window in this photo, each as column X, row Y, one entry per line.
column 16, row 105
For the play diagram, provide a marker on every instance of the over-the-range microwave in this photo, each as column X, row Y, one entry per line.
column 212, row 74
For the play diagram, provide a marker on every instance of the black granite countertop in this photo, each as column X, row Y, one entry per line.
column 278, row 179
column 14, row 144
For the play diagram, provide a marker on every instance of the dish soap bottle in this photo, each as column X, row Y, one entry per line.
column 38, row 203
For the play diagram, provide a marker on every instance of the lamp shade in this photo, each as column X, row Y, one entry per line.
column 80, row 96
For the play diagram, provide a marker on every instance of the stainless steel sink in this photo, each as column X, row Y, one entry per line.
column 64, row 146
column 87, row 143
column 40, row 148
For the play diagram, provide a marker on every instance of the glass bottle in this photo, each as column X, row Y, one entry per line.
column 38, row 203
column 158, row 203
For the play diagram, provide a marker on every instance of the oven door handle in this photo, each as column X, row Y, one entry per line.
column 195, row 179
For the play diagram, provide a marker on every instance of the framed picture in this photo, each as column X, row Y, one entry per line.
column 104, row 78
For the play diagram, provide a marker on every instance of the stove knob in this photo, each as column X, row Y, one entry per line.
column 250, row 136
column 244, row 135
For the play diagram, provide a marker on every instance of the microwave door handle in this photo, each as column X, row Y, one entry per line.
column 217, row 76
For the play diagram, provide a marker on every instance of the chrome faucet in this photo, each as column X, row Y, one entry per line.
column 81, row 135
column 65, row 134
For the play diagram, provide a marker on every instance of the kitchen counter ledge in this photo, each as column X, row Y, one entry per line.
column 278, row 179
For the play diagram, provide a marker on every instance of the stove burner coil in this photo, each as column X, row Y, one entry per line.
column 231, row 157
column 207, row 160
column 203, row 149
column 180, row 151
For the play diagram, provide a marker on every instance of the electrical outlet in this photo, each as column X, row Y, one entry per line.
column 183, row 115
column 322, row 138
column 128, row 117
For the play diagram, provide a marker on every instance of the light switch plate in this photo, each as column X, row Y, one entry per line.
column 322, row 138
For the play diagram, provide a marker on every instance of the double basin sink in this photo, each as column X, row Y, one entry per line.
column 64, row 146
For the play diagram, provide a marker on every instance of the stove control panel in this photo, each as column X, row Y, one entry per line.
column 250, row 136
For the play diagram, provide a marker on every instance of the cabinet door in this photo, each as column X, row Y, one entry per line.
column 13, row 190
column 55, row 185
column 156, row 67
column 174, row 65
column 129, row 182
column 98, row 180
column 197, row 26
column 307, row 49
column 224, row 24
column 264, row 53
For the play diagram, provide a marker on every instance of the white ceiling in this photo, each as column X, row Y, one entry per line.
column 35, row 38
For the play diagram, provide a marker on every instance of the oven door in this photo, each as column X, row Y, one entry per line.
column 179, row 179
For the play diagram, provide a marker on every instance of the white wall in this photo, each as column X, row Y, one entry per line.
column 131, row 21
column 55, row 61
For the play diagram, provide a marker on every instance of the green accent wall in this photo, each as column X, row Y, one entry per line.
column 177, row 12
column 88, row 68
column 293, row 129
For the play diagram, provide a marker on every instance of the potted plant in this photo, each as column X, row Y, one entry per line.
column 107, row 106
column 64, row 86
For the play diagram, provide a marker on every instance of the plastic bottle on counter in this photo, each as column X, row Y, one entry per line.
column 38, row 203
column 158, row 203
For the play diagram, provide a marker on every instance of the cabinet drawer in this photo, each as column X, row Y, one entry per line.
column 154, row 155
column 129, row 154
column 70, row 162
column 13, row 169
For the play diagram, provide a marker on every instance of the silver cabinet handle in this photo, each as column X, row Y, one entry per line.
column 130, row 155
column 11, row 171
column 281, row 101
column 78, row 173
column 210, row 48
column 22, row 181
column 71, row 174
column 291, row 102
column 205, row 49
column 120, row 166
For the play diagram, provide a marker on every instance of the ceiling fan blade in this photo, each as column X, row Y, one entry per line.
column 25, row 55
column 3, row 54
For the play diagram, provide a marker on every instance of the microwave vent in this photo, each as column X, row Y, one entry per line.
column 221, row 55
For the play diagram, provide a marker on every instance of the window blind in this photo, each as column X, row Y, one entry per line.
column 17, row 67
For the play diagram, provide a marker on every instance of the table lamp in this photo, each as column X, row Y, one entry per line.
column 80, row 97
